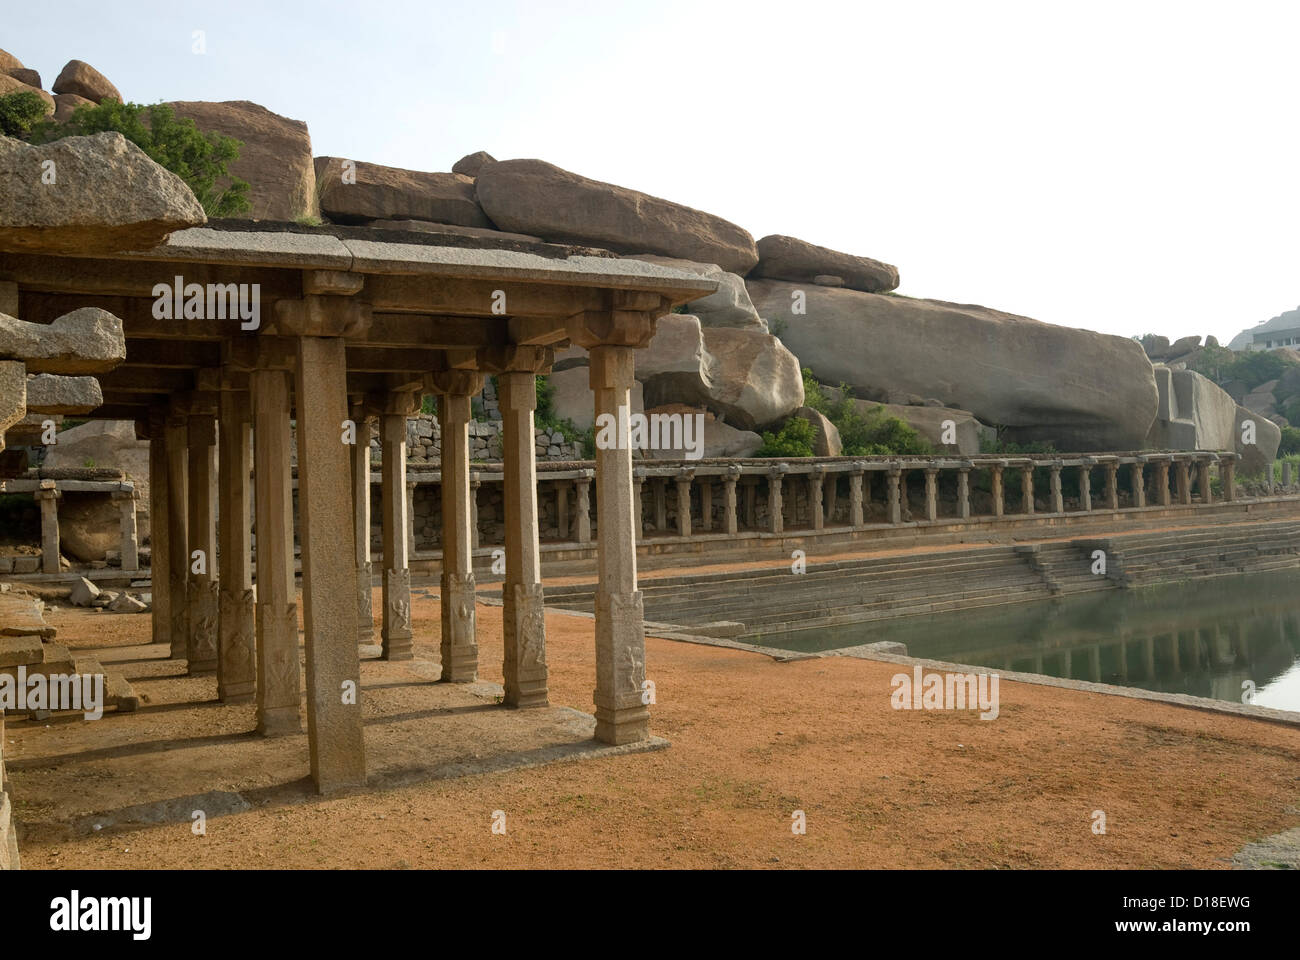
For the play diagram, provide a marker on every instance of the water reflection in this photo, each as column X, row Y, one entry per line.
column 1205, row 638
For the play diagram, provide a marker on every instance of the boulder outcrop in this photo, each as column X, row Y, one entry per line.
column 470, row 164
column 390, row 193
column 1194, row 413
column 826, row 436
column 730, row 306
column 1077, row 389
column 538, row 198
column 275, row 157
column 107, row 196
column 88, row 340
column 81, row 78
column 788, row 258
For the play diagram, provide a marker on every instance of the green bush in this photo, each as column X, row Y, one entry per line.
column 862, row 435
column 200, row 159
column 997, row 445
column 1252, row 367
column 794, row 439
column 1290, row 444
column 20, row 112
column 547, row 419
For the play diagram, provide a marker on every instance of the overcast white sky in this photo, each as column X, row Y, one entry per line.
column 1126, row 167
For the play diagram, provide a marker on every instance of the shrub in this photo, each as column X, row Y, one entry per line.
column 794, row 439
column 1290, row 441
column 200, row 159
column 874, row 433
column 547, row 419
column 20, row 112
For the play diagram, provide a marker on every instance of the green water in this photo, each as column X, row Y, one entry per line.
column 1205, row 638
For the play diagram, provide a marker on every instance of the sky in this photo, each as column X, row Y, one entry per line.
column 1124, row 167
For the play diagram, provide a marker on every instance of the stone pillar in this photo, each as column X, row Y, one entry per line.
column 329, row 574
column 1228, row 473
column 1058, row 499
column 236, row 616
column 474, row 484
column 1112, row 485
column 904, row 501
column 277, row 607
column 729, row 524
column 1138, row 483
column 361, row 522
column 127, row 523
column 178, row 554
column 562, row 508
column 995, row 484
column 159, row 541
column 963, row 492
column 1286, row 474
column 816, row 504
column 1183, row 480
column 706, row 505
column 638, row 511
column 1085, row 488
column 1203, row 479
column 856, row 518
column 1162, row 481
column 395, row 504
column 683, row 483
column 202, row 592
column 459, row 626
column 895, row 508
column 523, row 616
column 410, row 515
column 661, row 503
column 931, row 493
column 1027, row 489
column 48, row 497
column 621, row 717
column 583, row 485
column 775, row 507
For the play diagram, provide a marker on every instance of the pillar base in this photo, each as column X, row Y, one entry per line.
column 204, row 605
column 621, row 716
column 396, row 634
column 237, row 682
column 365, row 605
column 459, row 646
column 524, row 619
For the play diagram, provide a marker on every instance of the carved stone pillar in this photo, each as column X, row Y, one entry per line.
column 729, row 524
column 775, row 507
column 48, row 497
column 1112, row 485
column 126, row 503
column 1162, row 481
column 395, row 632
column 1203, row 479
column 1184, row 481
column 1027, row 490
column 1085, row 488
column 361, row 521
column 638, row 511
column 159, row 541
column 683, row 484
column 278, row 671
column 856, row 513
column 236, row 619
column 816, row 505
column 895, row 504
column 474, row 484
column 1139, row 484
column 410, row 517
column 931, row 493
column 523, row 616
column 178, row 554
column 583, row 517
column 459, row 635
column 562, row 508
column 1058, row 500
column 202, row 592
column 963, row 491
column 1228, row 472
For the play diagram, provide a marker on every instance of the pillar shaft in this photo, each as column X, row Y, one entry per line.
column 49, row 501
column 621, row 717
column 683, row 506
column 1112, row 486
column 1085, row 489
column 1162, row 482
column 1203, row 480
column 329, row 575
column 1027, row 490
column 523, row 614
column 999, row 500
column 562, row 508
column 178, row 553
column 1183, row 479
column 816, row 504
column 159, row 540
column 1139, row 484
column 855, row 499
column 459, row 638
column 277, row 608
column 963, row 493
column 775, row 506
column 361, row 526
column 895, row 498
column 202, row 591
column 1058, row 500
column 729, row 505
column 931, row 494
column 1228, row 471
column 236, row 623
column 583, row 485
column 395, row 633
column 126, row 503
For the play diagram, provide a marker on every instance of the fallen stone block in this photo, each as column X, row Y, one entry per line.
column 125, row 603
column 84, row 593
column 88, row 340
column 48, row 393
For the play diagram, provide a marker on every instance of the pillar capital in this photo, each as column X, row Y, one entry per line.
column 456, row 383
column 516, row 358
column 317, row 315
column 623, row 326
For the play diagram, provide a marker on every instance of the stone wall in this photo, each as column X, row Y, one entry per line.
column 424, row 440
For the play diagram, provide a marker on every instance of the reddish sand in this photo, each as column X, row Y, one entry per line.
column 752, row 741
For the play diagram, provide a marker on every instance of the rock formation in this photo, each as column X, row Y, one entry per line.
column 787, row 258
column 390, row 193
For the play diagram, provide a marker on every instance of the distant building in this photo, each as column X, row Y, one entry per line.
column 1282, row 331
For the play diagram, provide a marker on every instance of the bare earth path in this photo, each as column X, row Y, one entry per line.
column 752, row 741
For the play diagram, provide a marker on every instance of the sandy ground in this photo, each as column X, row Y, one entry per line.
column 753, row 740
